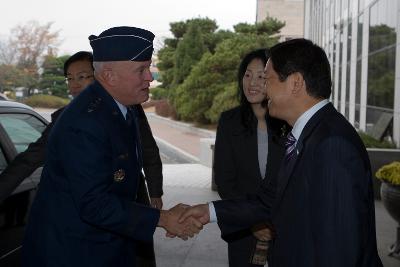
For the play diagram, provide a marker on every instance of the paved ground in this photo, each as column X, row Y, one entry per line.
column 181, row 136
column 191, row 182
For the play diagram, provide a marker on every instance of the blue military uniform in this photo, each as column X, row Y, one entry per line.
column 85, row 213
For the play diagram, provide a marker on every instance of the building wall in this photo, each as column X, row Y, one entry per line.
column 289, row 11
column 362, row 43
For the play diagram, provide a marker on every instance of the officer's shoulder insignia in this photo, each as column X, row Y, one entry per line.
column 94, row 104
column 119, row 175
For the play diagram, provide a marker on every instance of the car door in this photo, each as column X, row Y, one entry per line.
column 18, row 128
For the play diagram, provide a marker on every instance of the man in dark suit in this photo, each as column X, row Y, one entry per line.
column 78, row 72
column 85, row 213
column 321, row 204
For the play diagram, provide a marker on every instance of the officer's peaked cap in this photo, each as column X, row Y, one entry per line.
column 122, row 44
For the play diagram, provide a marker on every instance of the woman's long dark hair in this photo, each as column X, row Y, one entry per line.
column 246, row 111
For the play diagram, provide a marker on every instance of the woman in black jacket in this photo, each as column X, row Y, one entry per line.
column 248, row 151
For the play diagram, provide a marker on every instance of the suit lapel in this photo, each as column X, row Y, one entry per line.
column 286, row 170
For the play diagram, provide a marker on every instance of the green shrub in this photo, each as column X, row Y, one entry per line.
column 46, row 101
column 158, row 93
column 371, row 142
column 226, row 99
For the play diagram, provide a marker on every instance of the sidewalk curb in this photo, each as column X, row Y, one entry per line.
column 179, row 152
column 182, row 125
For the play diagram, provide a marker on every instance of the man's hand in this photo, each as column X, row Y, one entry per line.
column 262, row 232
column 169, row 221
column 156, row 202
column 200, row 212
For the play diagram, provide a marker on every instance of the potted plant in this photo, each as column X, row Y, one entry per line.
column 389, row 174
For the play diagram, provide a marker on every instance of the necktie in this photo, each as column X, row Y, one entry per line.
column 131, row 116
column 290, row 146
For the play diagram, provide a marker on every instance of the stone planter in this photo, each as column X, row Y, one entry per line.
column 390, row 195
column 379, row 157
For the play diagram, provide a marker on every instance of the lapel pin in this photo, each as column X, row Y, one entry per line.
column 119, row 175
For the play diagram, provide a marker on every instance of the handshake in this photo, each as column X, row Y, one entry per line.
column 184, row 221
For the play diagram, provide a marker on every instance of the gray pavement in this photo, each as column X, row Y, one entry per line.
column 205, row 249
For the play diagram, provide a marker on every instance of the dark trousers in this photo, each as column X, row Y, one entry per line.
column 145, row 256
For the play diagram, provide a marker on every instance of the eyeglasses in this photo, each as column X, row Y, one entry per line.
column 79, row 78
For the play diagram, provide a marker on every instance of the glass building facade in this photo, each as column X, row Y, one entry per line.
column 361, row 39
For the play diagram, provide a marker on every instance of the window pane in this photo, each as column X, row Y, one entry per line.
column 358, row 70
column 22, row 129
column 381, row 62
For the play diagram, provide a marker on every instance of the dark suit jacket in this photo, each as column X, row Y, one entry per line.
column 84, row 213
column 321, row 206
column 25, row 163
column 236, row 168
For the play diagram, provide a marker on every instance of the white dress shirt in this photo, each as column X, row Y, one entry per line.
column 122, row 108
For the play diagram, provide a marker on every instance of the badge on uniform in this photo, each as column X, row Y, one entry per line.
column 119, row 175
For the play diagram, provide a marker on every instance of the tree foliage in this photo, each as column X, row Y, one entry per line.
column 32, row 42
column 10, row 77
column 203, row 29
column 206, row 25
column 212, row 77
column 52, row 80
column 25, row 50
column 166, row 65
column 189, row 51
column 200, row 72
column 269, row 26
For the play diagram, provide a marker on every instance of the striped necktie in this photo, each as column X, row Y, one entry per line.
column 290, row 146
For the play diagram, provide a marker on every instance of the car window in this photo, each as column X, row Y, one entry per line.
column 22, row 129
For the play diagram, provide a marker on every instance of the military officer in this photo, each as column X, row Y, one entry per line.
column 85, row 213
column 78, row 72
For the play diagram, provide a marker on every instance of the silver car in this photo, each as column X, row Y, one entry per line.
column 20, row 125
